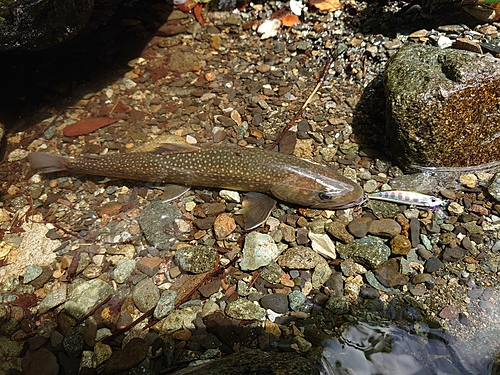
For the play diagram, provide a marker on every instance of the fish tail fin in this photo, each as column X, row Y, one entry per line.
column 47, row 163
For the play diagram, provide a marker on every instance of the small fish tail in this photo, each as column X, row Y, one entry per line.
column 47, row 163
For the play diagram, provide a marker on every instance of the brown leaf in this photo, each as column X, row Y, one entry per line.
column 88, row 125
column 289, row 20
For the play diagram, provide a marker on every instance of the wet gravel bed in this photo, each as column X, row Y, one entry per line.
column 84, row 259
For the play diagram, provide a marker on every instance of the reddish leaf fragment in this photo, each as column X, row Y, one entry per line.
column 25, row 299
column 89, row 125
column 158, row 72
column 198, row 13
column 289, row 20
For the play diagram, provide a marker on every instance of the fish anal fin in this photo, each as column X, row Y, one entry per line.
column 256, row 209
column 172, row 191
column 175, row 148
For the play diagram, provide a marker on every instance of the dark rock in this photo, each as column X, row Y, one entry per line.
column 367, row 292
column 337, row 305
column 33, row 24
column 433, row 264
column 254, row 361
column 359, row 226
column 73, row 343
column 335, row 284
column 422, row 278
column 40, row 281
column 40, row 362
column 441, row 106
column 207, row 340
column 449, row 312
column 388, row 274
column 277, row 302
column 414, row 232
column 387, row 228
column 453, row 254
column 131, row 355
column 423, row 252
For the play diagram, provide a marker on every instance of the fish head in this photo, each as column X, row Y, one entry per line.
column 433, row 202
column 322, row 191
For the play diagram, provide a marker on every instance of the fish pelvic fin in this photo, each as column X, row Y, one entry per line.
column 47, row 163
column 171, row 191
column 256, row 209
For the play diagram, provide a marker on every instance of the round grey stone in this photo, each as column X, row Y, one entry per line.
column 145, row 295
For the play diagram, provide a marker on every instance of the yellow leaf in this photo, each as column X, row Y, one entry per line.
column 328, row 5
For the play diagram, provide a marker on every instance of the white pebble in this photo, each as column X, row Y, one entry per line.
column 230, row 196
column 269, row 28
column 191, row 140
column 444, row 42
column 189, row 206
column 271, row 315
column 322, row 244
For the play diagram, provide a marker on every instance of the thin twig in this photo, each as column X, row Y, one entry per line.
column 130, row 326
column 91, row 312
column 299, row 112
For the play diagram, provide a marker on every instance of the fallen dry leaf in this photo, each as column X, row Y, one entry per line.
column 289, row 20
column 327, row 5
column 88, row 125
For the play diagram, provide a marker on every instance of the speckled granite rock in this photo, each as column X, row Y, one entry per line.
column 442, row 107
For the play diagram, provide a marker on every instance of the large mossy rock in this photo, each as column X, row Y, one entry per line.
column 35, row 24
column 442, row 107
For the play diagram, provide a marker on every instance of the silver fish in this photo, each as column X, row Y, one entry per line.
column 408, row 197
column 267, row 175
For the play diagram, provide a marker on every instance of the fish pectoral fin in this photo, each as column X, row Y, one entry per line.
column 175, row 148
column 172, row 191
column 256, row 208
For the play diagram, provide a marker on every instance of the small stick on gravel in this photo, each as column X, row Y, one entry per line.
column 299, row 112
column 108, row 339
column 255, row 277
column 91, row 312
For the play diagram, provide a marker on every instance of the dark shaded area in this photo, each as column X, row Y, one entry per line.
column 32, row 24
column 35, row 82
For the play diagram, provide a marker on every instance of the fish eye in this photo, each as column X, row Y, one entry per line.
column 324, row 196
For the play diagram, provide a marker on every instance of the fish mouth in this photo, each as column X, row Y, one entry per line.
column 341, row 206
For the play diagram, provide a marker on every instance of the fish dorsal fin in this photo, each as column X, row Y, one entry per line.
column 256, row 209
column 172, row 191
column 175, row 148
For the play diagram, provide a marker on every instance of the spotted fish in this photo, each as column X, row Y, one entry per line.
column 266, row 175
column 408, row 197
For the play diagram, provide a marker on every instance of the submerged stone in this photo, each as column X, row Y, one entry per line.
column 442, row 107
column 370, row 251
